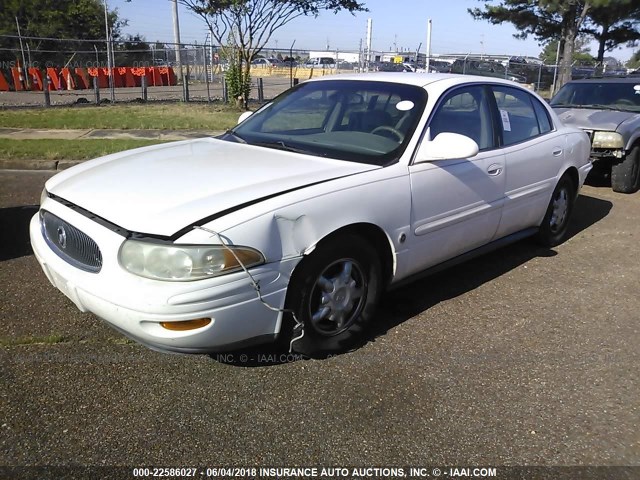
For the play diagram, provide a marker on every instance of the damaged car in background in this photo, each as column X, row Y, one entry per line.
column 290, row 226
column 608, row 109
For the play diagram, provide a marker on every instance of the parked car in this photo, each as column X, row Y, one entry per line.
column 440, row 66
column 581, row 72
column 533, row 73
column 485, row 68
column 321, row 62
column 393, row 67
column 267, row 62
column 292, row 224
column 608, row 109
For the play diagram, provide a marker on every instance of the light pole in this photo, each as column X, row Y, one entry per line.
column 428, row 62
column 109, row 65
column 176, row 38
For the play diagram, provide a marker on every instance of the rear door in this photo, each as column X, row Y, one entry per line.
column 533, row 155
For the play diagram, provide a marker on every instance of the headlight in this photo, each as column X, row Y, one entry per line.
column 182, row 263
column 607, row 140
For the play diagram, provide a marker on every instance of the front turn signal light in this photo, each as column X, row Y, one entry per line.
column 186, row 324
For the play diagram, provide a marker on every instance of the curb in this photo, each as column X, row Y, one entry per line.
column 41, row 165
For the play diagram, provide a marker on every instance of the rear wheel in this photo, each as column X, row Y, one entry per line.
column 625, row 176
column 553, row 229
column 334, row 293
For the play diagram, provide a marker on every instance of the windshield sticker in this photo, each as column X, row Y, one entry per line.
column 405, row 105
column 637, row 89
column 506, row 123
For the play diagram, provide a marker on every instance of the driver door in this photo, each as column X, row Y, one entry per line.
column 457, row 204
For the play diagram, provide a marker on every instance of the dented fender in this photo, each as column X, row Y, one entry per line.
column 290, row 226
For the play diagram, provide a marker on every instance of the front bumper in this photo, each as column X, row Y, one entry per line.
column 136, row 306
column 583, row 171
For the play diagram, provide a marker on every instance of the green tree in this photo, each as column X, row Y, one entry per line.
column 67, row 22
column 249, row 24
column 634, row 61
column 581, row 53
column 561, row 20
column 613, row 24
column 132, row 50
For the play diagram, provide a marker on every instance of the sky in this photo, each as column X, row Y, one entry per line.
column 396, row 23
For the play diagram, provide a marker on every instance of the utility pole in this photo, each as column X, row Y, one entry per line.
column 369, row 35
column 176, row 38
column 555, row 70
column 428, row 44
column 109, row 57
column 25, row 70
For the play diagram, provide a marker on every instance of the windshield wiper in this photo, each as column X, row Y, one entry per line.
column 280, row 145
column 599, row 106
column 592, row 106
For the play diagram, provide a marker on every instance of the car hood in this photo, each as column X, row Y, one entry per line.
column 163, row 188
column 591, row 119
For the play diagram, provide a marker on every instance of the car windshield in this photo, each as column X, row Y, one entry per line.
column 623, row 96
column 359, row 121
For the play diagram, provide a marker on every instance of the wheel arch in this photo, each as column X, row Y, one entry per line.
column 371, row 233
column 574, row 176
column 634, row 140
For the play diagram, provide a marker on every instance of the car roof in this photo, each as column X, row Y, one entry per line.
column 418, row 79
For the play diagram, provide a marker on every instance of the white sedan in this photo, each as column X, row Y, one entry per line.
column 291, row 225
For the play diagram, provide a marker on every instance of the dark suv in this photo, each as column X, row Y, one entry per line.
column 608, row 109
column 485, row 68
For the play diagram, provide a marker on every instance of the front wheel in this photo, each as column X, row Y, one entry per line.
column 625, row 176
column 333, row 293
column 553, row 229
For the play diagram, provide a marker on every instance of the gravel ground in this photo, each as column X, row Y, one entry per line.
column 526, row 356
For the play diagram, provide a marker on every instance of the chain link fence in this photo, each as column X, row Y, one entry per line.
column 49, row 71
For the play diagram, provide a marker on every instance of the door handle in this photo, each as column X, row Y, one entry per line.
column 557, row 152
column 494, row 170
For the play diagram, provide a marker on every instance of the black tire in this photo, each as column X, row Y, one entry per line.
column 553, row 229
column 349, row 297
column 625, row 176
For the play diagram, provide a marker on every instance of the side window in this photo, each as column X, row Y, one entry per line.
column 543, row 116
column 517, row 115
column 465, row 111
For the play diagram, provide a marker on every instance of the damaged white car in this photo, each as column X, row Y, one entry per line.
column 291, row 225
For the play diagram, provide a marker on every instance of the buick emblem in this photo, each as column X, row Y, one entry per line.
column 62, row 237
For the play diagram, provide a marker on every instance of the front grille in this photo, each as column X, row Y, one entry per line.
column 70, row 244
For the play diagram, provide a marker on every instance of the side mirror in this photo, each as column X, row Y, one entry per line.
column 244, row 116
column 447, row 146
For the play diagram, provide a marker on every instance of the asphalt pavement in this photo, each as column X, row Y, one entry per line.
column 527, row 356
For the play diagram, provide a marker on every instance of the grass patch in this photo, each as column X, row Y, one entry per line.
column 30, row 340
column 41, row 149
column 178, row 116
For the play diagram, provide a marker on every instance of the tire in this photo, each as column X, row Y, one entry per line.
column 334, row 293
column 553, row 229
column 625, row 176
